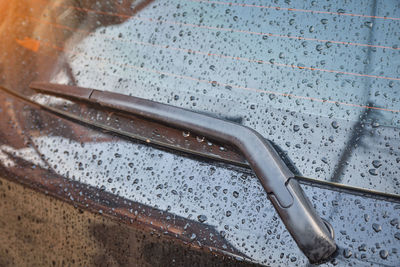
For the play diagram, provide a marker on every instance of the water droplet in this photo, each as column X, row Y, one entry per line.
column 335, row 125
column 200, row 139
column 376, row 163
column 363, row 247
column 347, row 253
column 202, row 218
column 373, row 172
column 375, row 124
column 328, row 45
column 186, row 134
column 377, row 227
column 222, row 233
column 397, row 235
column 394, row 222
column 384, row 254
column 369, row 24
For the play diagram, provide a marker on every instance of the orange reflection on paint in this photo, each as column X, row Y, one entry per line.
column 29, row 43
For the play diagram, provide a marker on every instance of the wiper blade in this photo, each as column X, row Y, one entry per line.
column 309, row 231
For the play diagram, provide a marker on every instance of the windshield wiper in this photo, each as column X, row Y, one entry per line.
column 313, row 235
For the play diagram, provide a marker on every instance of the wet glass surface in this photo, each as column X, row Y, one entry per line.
column 224, row 208
column 322, row 85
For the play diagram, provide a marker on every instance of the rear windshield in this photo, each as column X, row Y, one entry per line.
column 320, row 79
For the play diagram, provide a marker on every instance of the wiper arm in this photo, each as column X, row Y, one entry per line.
column 309, row 231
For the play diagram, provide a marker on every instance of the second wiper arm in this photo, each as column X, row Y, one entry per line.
column 304, row 224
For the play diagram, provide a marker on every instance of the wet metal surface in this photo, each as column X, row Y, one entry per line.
column 39, row 230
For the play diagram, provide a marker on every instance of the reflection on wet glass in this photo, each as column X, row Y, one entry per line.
column 322, row 85
column 273, row 68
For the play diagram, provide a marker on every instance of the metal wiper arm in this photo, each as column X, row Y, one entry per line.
column 297, row 213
